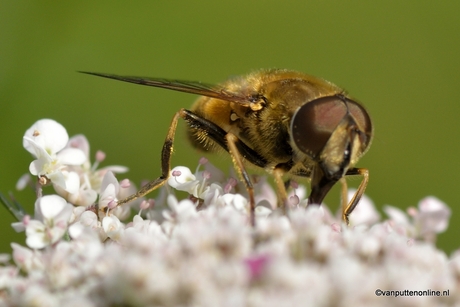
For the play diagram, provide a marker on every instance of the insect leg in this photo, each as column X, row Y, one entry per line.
column 165, row 163
column 237, row 149
column 281, row 187
column 344, row 195
column 354, row 201
column 232, row 141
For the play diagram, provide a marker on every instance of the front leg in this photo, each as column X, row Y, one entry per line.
column 346, row 211
column 165, row 162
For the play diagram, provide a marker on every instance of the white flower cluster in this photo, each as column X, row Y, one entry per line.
column 64, row 163
column 202, row 250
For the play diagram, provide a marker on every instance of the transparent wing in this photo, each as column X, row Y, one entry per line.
column 198, row 88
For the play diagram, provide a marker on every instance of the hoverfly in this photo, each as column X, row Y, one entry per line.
column 283, row 121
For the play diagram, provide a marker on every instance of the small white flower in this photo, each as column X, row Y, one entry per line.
column 214, row 257
column 431, row 218
column 183, row 209
column 265, row 193
column 182, row 179
column 72, row 183
column 433, row 215
column 25, row 258
column 262, row 211
column 46, row 140
column 180, row 211
column 38, row 295
column 146, row 228
column 113, row 227
column 47, row 134
column 52, row 214
column 109, row 191
column 396, row 215
column 212, row 195
column 180, row 176
column 91, row 176
column 236, row 201
column 88, row 220
column 80, row 141
column 77, row 194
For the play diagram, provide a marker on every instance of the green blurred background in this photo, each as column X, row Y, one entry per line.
column 400, row 58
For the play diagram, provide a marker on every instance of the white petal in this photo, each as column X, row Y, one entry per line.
column 185, row 205
column 239, row 202
column 57, row 178
column 185, row 210
column 36, row 167
column 236, row 201
column 122, row 212
column 72, row 182
column 109, row 178
column 267, row 193
column 36, row 241
column 185, row 176
column 432, row 204
column 108, row 195
column 33, row 147
column 71, row 156
column 110, row 223
column 213, row 192
column 262, row 211
column 55, row 234
column 118, row 169
column 24, row 257
column 23, row 182
column 39, row 152
column 76, row 213
column 190, row 187
column 48, row 134
column 51, row 205
column 5, row 258
column 63, row 217
column 89, row 218
column 79, row 141
column 75, row 230
column 18, row 226
column 434, row 215
column 172, row 202
column 35, row 232
column 112, row 227
column 85, row 198
column 37, row 210
column 396, row 215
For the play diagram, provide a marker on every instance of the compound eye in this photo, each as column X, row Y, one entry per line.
column 363, row 122
column 313, row 123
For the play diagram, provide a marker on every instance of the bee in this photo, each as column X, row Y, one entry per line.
column 285, row 122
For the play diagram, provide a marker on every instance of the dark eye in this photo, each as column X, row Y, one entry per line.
column 313, row 123
column 363, row 121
